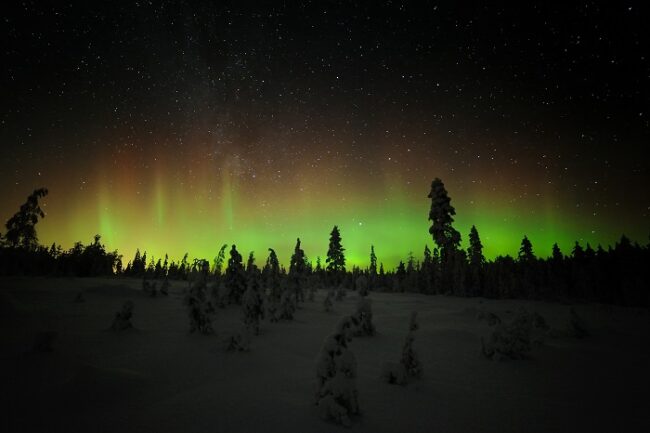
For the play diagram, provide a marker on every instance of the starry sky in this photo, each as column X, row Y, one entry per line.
column 177, row 126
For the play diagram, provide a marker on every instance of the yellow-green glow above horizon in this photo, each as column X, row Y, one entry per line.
column 219, row 201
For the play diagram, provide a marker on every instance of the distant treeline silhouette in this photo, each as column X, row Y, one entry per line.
column 616, row 275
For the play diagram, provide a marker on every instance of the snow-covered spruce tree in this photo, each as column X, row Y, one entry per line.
column 198, row 306
column 363, row 318
column 287, row 305
column 410, row 359
column 328, row 303
column 220, row 293
column 122, row 320
column 409, row 365
column 336, row 370
column 253, row 306
column 271, row 279
column 372, row 269
column 235, row 276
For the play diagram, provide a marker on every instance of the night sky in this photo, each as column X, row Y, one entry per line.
column 180, row 126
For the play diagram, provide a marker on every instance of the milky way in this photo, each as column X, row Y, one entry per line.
column 180, row 126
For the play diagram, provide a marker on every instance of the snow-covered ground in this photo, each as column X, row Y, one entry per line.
column 160, row 378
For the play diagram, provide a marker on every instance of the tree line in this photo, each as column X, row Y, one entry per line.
column 616, row 275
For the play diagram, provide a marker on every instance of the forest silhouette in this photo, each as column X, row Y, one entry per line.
column 614, row 275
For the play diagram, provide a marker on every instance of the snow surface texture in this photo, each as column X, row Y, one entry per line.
column 164, row 379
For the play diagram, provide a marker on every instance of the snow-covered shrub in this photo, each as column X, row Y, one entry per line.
column 491, row 318
column 393, row 373
column 253, row 308
column 413, row 322
column 362, row 285
column 166, row 285
column 122, row 320
column 363, row 318
column 328, row 303
column 198, row 306
column 336, row 370
column 576, row 326
column 340, row 292
column 510, row 340
column 149, row 287
column 540, row 329
column 240, row 342
column 43, row 341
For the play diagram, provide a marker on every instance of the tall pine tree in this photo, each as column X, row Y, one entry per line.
column 441, row 216
column 297, row 272
column 335, row 257
column 445, row 235
column 21, row 230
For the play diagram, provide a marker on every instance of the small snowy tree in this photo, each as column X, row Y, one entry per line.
column 149, row 287
column 287, row 307
column 239, row 342
column 363, row 318
column 336, row 370
column 253, row 307
column 166, row 285
column 362, row 285
column 413, row 322
column 410, row 359
column 328, row 303
column 198, row 306
column 122, row 320
column 409, row 365
column 576, row 326
column 340, row 292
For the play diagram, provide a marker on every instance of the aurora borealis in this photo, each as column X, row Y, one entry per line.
column 179, row 126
